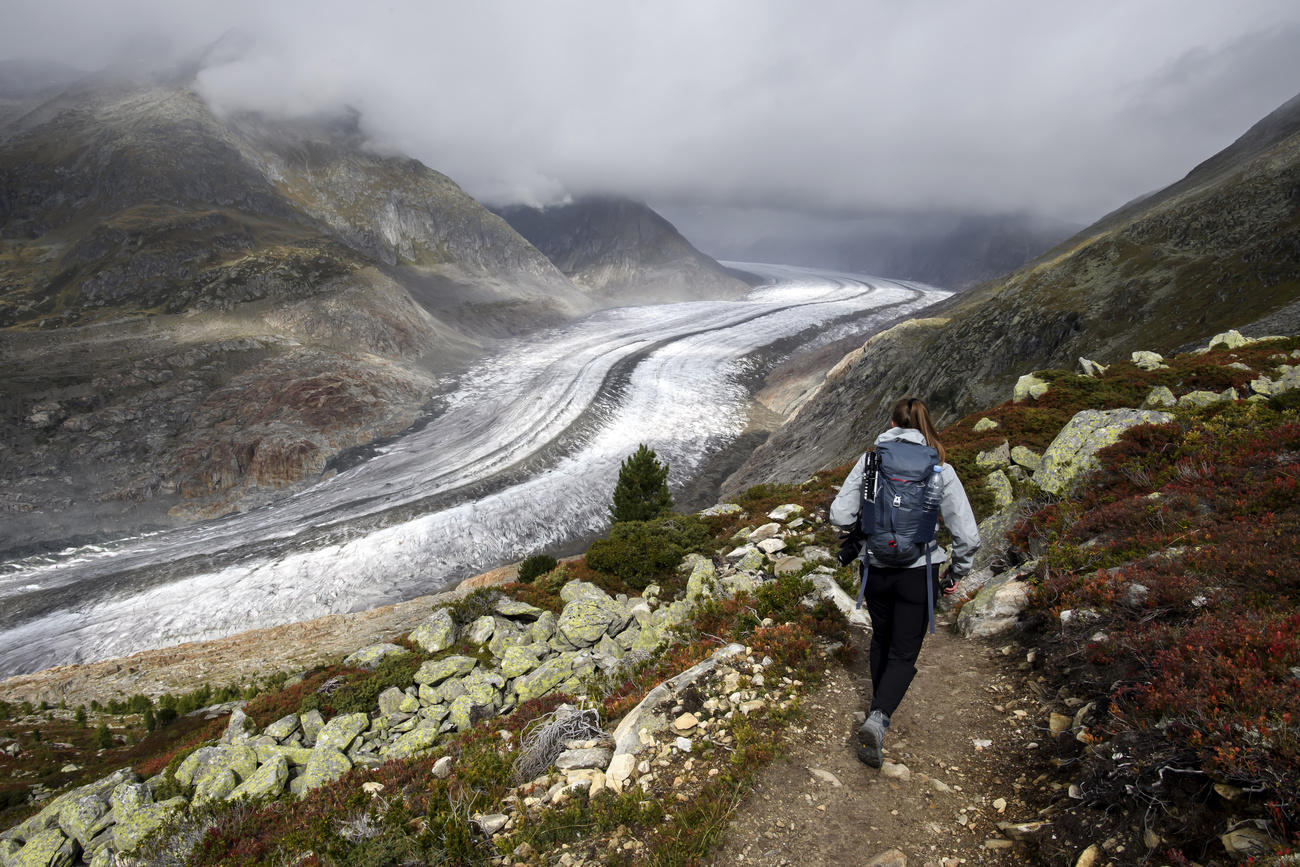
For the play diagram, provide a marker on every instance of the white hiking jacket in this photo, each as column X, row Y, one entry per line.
column 955, row 508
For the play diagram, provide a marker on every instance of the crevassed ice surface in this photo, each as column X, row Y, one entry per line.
column 524, row 456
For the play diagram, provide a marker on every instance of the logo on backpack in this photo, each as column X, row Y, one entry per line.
column 902, row 488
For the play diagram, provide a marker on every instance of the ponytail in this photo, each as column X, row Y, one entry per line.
column 911, row 412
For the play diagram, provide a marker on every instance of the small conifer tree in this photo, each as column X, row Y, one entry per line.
column 641, row 492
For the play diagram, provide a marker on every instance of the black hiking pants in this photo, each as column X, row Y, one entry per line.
column 900, row 616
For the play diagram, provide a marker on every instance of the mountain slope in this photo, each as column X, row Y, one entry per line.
column 623, row 250
column 197, row 312
column 1218, row 250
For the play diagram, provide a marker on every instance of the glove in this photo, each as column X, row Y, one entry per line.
column 848, row 551
column 949, row 579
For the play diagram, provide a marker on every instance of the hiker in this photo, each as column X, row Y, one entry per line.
column 897, row 598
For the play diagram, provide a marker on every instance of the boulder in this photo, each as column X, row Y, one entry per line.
column 282, row 728
column 1074, row 450
column 702, row 582
column 827, row 588
column 815, row 554
column 785, row 512
column 1230, row 339
column 543, row 628
column 593, row 757
column 546, row 677
column 516, row 610
column 297, row 757
column 312, row 722
column 1025, row 457
column 481, row 630
column 1029, row 387
column 585, row 619
column 341, row 731
column 1160, row 395
column 80, row 815
column 582, row 590
column 390, row 701
column 1148, row 360
column 1202, row 399
column 996, row 458
column 134, row 825
column 267, row 781
column 435, row 671
column 40, row 850
column 326, row 765
column 984, row 424
column 767, row 531
column 1000, row 486
column 505, row 635
column 520, row 659
column 1088, row 367
column 738, row 553
column 237, row 727
column 752, row 561
column 418, row 740
column 371, row 656
column 771, row 546
column 437, row 633
column 996, row 606
column 722, row 509
column 788, row 565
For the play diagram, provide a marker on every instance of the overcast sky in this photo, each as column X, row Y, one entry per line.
column 1062, row 109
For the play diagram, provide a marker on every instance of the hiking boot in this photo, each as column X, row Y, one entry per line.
column 871, row 739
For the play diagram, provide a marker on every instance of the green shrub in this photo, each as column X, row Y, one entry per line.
column 535, row 566
column 637, row 551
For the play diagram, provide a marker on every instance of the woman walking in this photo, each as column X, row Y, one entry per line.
column 897, row 596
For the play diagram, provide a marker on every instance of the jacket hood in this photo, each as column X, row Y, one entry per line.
column 907, row 434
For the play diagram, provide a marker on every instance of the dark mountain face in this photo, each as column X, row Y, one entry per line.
column 1218, row 250
column 197, row 312
column 622, row 250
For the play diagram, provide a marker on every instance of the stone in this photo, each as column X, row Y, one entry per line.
column 505, row 635
column 442, row 768
column 686, row 722
column 135, row 825
column 297, row 757
column 582, row 590
column 771, row 546
column 722, row 509
column 752, row 561
column 996, row 606
column 738, row 553
column 267, row 781
column 995, row 458
column 371, row 656
column 1247, row 841
column 236, row 728
column 984, row 424
column 1000, row 486
column 594, row 757
column 1029, row 387
column 786, row 512
column 1059, row 723
column 312, row 722
column 683, row 744
column 326, row 766
column 513, row 608
column 1202, row 399
column 491, row 824
column 435, row 671
column 283, row 728
column 1148, row 360
column 648, row 639
column 546, row 677
column 128, row 797
column 1088, row 367
column 437, row 633
column 788, row 565
column 520, row 659
column 543, row 628
column 416, row 741
column 702, row 582
column 80, row 815
column 1074, row 450
column 481, row 630
column 620, row 771
column 895, row 771
column 1230, row 339
column 1160, row 395
column 766, row 531
column 888, row 858
column 816, row 554
column 341, row 731
column 1026, row 457
column 584, row 620
column 390, row 701
column 40, row 849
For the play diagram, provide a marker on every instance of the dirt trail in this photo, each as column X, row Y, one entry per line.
column 956, row 733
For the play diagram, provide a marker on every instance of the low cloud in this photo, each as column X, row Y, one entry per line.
column 828, row 107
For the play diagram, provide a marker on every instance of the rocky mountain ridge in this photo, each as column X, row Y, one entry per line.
column 1219, row 250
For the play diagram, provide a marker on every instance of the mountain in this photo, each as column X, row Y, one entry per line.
column 198, row 311
column 1219, row 249
column 620, row 249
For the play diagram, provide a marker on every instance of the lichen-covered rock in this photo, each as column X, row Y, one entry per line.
column 128, row 797
column 282, row 728
column 80, row 815
column 437, row 633
column 995, row 607
column 297, row 757
column 752, row 561
column 1075, row 447
column 1159, row 395
column 1148, row 360
column 390, row 701
column 326, row 765
column 505, row 635
column 545, row 677
column 1027, row 458
column 481, row 630
column 984, row 424
column 722, row 509
column 370, row 657
column 213, row 785
column 788, row 565
column 236, row 727
column 1230, row 339
column 514, row 609
column 785, row 512
column 771, row 546
column 582, row 590
column 418, row 740
column 1088, row 367
column 734, row 585
column 1201, row 399
column 543, row 628
column 1000, row 486
column 194, row 763
column 592, row 757
column 701, row 583
column 816, row 554
column 312, row 722
column 994, row 459
column 766, row 531
column 585, row 619
column 134, row 825
column 40, row 849
column 341, row 731
column 520, row 659
column 435, row 671
column 266, row 782
column 484, row 687
column 1029, row 387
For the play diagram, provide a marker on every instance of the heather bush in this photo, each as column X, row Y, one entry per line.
column 638, row 551
column 535, row 566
